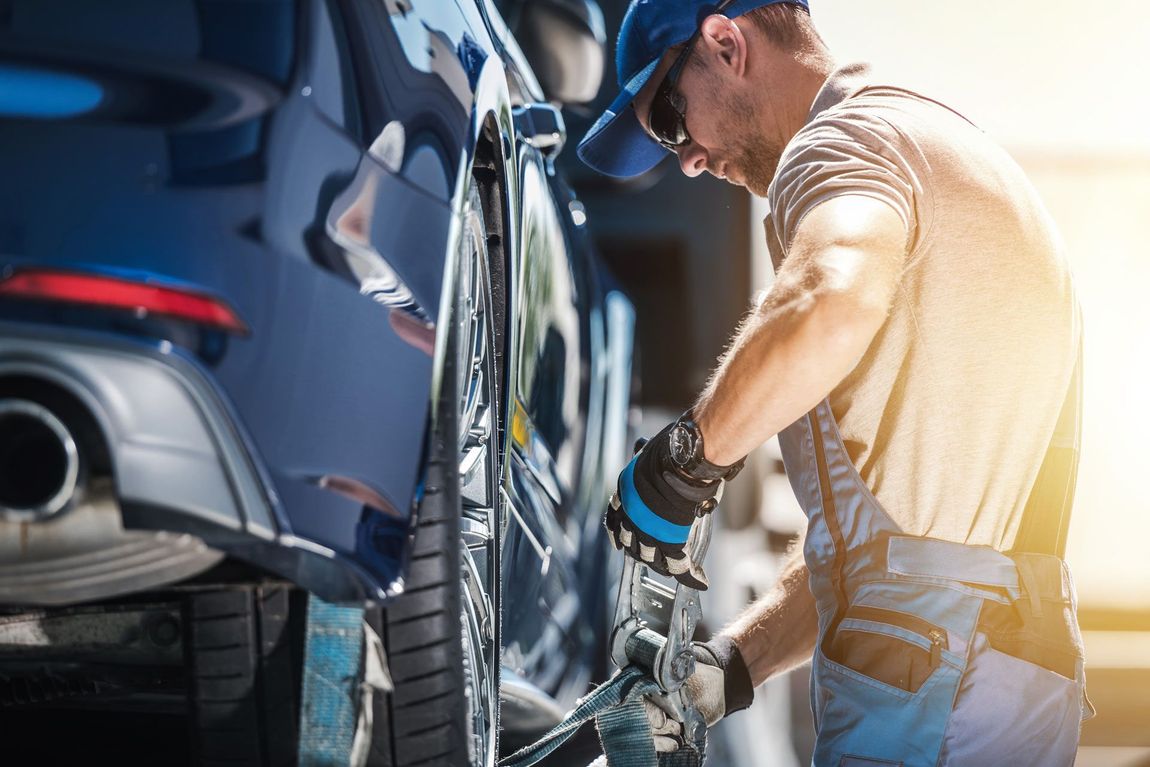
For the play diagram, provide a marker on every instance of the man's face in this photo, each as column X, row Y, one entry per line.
column 727, row 139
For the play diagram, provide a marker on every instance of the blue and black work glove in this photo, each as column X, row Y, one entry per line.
column 651, row 515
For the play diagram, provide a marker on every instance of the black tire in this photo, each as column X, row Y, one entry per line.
column 243, row 667
column 421, row 630
column 426, row 721
column 244, row 660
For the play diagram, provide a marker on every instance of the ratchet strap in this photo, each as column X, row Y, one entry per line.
column 617, row 708
column 331, row 693
column 1046, row 518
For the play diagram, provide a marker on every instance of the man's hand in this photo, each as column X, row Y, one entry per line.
column 652, row 515
column 721, row 685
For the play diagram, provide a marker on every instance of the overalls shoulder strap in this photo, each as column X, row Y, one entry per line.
column 1047, row 516
column 933, row 652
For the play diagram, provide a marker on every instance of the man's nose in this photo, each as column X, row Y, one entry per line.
column 692, row 159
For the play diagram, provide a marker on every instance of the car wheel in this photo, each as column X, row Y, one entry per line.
column 442, row 634
column 242, row 660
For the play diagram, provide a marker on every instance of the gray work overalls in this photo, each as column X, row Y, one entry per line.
column 930, row 652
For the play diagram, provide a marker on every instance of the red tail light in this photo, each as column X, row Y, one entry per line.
column 117, row 293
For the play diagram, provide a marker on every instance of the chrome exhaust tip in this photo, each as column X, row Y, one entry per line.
column 39, row 462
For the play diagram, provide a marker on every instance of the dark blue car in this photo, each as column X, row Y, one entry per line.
column 295, row 312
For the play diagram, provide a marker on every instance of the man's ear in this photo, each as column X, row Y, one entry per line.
column 725, row 40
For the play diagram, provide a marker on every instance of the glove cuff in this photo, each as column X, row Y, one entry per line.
column 738, row 689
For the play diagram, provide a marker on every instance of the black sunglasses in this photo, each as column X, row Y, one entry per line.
column 668, row 114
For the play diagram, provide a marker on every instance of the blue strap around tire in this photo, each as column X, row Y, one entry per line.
column 617, row 708
column 331, row 671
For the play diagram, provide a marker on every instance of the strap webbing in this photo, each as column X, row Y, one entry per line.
column 617, row 708
column 331, row 671
column 1046, row 518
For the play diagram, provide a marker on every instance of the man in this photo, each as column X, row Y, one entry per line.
column 914, row 355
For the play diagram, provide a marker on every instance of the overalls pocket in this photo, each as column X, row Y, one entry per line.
column 1001, row 697
column 1030, row 649
column 894, row 648
column 883, row 685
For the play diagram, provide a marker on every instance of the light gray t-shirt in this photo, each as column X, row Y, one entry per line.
column 949, row 413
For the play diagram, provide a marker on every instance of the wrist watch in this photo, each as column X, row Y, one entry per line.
column 686, row 449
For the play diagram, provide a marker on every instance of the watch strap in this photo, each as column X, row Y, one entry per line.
column 697, row 467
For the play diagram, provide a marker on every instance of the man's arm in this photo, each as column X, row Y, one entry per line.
column 777, row 633
column 830, row 297
column 773, row 636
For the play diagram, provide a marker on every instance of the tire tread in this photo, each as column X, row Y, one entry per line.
column 242, row 691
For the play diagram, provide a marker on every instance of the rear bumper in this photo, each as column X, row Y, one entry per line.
column 181, row 465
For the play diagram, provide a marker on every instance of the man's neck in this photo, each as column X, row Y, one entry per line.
column 793, row 81
column 811, row 70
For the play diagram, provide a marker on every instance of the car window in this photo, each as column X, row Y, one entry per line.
column 147, row 62
column 258, row 38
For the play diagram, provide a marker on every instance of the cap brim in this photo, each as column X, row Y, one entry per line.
column 617, row 145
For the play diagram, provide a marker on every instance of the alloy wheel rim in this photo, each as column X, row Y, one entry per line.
column 478, row 487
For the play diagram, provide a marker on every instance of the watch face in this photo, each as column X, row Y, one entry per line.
column 682, row 445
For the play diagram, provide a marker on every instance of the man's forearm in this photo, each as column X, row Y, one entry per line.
column 831, row 296
column 787, row 355
column 778, row 632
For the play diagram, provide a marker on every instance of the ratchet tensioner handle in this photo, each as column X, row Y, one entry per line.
column 654, row 625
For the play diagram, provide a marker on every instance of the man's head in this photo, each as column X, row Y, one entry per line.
column 723, row 91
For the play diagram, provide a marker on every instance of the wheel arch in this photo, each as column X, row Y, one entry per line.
column 491, row 162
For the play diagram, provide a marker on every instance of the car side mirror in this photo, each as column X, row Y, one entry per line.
column 540, row 126
column 565, row 42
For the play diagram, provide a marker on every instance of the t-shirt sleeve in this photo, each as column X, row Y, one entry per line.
column 844, row 152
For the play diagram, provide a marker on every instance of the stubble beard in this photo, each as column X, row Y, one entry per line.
column 759, row 161
column 755, row 157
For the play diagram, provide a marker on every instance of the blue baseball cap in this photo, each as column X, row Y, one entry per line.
column 617, row 145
